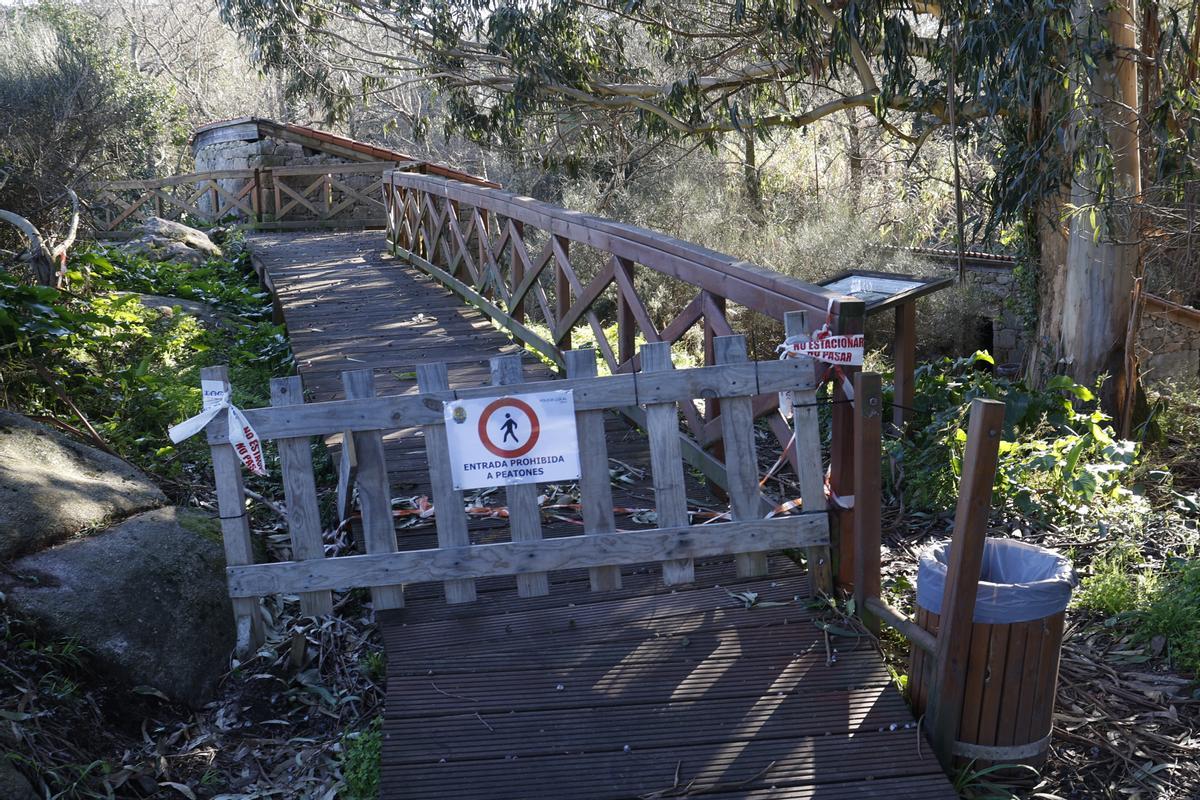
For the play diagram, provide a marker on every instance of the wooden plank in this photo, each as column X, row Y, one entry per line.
column 609, row 392
column 300, row 493
column 447, row 501
column 680, row 543
column 595, row 482
column 981, row 636
column 868, row 492
column 962, row 574
column 534, row 733
column 1047, row 685
column 524, row 514
column 374, row 493
column 607, row 685
column 904, row 356
column 1010, row 707
column 235, row 527
column 837, row 758
column 347, row 471
column 666, row 460
column 993, row 685
column 1035, row 631
column 807, row 431
column 741, row 455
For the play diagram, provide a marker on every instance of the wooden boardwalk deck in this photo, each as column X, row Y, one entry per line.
column 643, row 692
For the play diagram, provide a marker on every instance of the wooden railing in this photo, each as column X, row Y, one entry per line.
column 271, row 198
column 456, row 562
column 516, row 259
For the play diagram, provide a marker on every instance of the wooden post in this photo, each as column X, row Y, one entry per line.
column 712, row 407
column 562, row 288
column 904, row 353
column 374, row 489
column 258, row 197
column 449, row 517
column 300, row 492
column 847, row 320
column 807, row 458
column 517, row 273
column 666, row 462
column 741, row 456
column 235, row 526
column 868, row 446
column 595, row 484
column 962, row 575
column 524, row 514
column 626, row 326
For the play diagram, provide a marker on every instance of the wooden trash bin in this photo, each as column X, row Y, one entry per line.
column 1012, row 664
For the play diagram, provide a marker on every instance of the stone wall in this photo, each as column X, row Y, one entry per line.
column 1167, row 349
column 996, row 287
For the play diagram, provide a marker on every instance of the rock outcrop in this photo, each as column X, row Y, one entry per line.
column 147, row 599
column 52, row 487
column 164, row 240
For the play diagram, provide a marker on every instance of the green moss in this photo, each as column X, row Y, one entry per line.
column 200, row 524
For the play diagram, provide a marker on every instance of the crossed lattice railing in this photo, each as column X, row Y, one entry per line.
column 271, row 198
column 543, row 273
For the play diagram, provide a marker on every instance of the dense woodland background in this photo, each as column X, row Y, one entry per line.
column 804, row 137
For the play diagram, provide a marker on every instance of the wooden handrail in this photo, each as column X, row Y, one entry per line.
column 722, row 275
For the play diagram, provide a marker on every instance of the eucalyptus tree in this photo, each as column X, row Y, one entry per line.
column 1051, row 85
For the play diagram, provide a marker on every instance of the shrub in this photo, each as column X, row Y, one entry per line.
column 1058, row 456
column 72, row 110
column 360, row 761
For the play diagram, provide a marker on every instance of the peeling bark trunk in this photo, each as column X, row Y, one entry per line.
column 752, row 180
column 1086, row 285
column 854, row 155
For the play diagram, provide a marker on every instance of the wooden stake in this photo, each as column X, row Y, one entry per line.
column 962, row 575
column 868, row 446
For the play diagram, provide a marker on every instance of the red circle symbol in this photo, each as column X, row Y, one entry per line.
column 510, row 402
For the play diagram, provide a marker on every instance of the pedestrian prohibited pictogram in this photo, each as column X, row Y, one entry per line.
column 508, row 440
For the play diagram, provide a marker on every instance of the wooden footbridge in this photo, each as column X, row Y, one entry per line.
column 657, row 629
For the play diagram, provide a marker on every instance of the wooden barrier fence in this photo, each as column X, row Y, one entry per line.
column 515, row 259
column 270, row 198
column 658, row 388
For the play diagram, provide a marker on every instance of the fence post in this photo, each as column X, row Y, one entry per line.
column 868, row 445
column 235, row 526
column 962, row 575
column 258, row 197
column 562, row 286
column 847, row 319
column 374, row 489
column 904, row 354
column 300, row 491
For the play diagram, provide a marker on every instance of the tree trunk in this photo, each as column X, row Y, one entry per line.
column 854, row 155
column 1086, row 286
column 752, row 179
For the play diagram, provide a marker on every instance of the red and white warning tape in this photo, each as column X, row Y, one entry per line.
column 242, row 437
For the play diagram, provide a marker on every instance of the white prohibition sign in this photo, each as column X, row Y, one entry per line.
column 502, row 441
